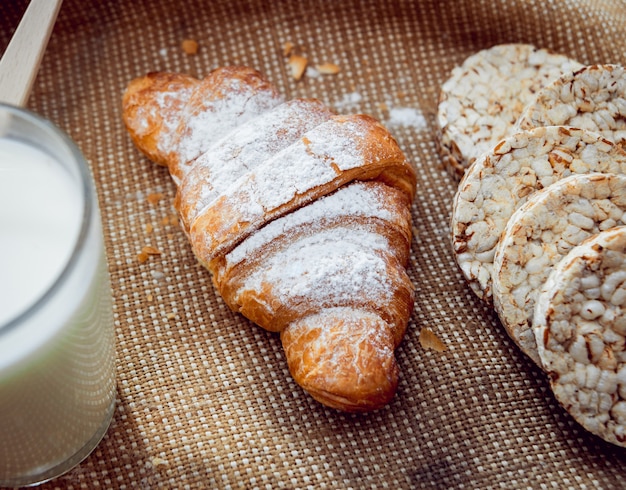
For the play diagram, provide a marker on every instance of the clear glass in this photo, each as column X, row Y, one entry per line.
column 57, row 356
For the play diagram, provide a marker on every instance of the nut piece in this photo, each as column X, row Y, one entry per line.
column 146, row 252
column 190, row 46
column 429, row 340
column 539, row 234
column 155, row 197
column 593, row 98
column 481, row 101
column 504, row 178
column 297, row 64
column 580, row 327
column 328, row 69
column 288, row 48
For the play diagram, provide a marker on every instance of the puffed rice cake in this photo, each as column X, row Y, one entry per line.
column 539, row 234
column 504, row 178
column 580, row 327
column 593, row 98
column 483, row 98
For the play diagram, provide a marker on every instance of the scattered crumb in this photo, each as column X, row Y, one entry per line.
column 156, row 461
column 149, row 228
column 328, row 69
column 429, row 340
column 149, row 297
column 287, row 48
column 297, row 63
column 190, row 46
column 170, row 315
column 155, row 197
column 170, row 219
column 146, row 252
column 151, row 250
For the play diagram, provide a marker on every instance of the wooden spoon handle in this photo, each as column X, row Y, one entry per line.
column 20, row 63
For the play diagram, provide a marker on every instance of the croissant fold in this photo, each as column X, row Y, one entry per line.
column 301, row 215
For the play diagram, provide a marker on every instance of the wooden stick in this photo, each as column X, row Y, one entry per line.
column 20, row 63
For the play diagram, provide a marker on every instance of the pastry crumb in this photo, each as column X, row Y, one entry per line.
column 149, row 228
column 429, row 340
column 156, row 461
column 190, row 46
column 297, row 63
column 287, row 48
column 328, row 68
column 145, row 253
column 170, row 219
column 154, row 197
column 151, row 250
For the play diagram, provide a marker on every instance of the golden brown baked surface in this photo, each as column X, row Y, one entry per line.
column 302, row 216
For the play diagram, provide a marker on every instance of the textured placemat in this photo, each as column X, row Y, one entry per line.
column 205, row 399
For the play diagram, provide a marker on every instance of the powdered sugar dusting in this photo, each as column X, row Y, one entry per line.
column 309, row 162
column 328, row 268
column 315, row 160
column 237, row 103
column 247, row 147
column 348, row 101
column 353, row 329
column 356, row 200
column 162, row 109
column 407, row 117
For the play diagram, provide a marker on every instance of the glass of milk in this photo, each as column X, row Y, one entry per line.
column 57, row 344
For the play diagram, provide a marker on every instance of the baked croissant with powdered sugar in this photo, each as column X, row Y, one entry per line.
column 302, row 217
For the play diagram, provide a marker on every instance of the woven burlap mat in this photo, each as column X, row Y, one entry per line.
column 205, row 399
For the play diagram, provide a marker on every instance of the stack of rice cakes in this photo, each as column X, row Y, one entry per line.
column 538, row 224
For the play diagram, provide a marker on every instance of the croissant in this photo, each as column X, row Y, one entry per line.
column 302, row 217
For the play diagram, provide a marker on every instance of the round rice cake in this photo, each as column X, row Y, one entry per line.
column 593, row 98
column 539, row 234
column 505, row 177
column 580, row 328
column 483, row 98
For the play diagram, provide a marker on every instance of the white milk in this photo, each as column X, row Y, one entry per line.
column 57, row 373
column 41, row 213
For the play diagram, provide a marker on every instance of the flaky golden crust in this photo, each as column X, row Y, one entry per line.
column 273, row 311
column 247, row 145
column 344, row 358
column 218, row 93
column 149, row 119
column 338, row 151
column 302, row 216
column 169, row 116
